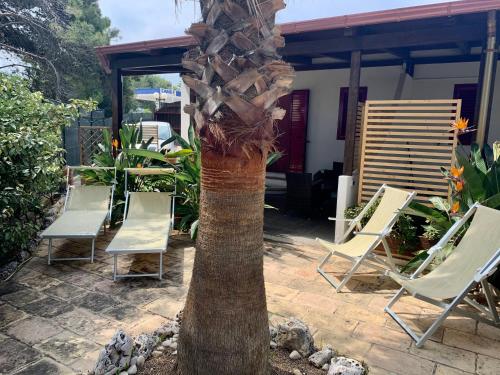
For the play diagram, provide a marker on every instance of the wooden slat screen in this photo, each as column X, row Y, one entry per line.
column 404, row 144
column 358, row 137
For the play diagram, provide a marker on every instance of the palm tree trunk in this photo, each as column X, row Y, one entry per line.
column 224, row 329
column 238, row 77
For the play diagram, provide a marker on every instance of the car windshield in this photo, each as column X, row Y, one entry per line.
column 164, row 131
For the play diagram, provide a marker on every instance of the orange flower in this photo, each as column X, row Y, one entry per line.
column 139, row 165
column 461, row 124
column 459, row 185
column 114, row 143
column 456, row 172
column 455, row 207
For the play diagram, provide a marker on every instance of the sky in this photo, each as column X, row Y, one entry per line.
column 154, row 19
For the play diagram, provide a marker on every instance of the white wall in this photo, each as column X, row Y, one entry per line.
column 429, row 82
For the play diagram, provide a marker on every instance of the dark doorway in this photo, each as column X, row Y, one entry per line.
column 343, row 100
column 468, row 93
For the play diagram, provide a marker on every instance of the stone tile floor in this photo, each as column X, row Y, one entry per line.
column 54, row 319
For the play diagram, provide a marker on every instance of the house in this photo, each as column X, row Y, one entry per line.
column 439, row 51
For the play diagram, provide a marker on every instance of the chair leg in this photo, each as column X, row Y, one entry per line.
column 115, row 266
column 491, row 301
column 93, row 250
column 350, row 274
column 322, row 273
column 419, row 341
column 161, row 266
column 50, row 251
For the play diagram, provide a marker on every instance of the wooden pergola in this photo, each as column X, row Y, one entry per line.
column 461, row 31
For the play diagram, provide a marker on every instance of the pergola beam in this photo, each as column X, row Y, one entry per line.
column 352, row 111
column 148, row 61
column 401, row 39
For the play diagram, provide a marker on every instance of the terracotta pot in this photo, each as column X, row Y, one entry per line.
column 425, row 243
column 394, row 246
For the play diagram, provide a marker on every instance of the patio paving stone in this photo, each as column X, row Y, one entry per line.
column 79, row 308
column 445, row 370
column 66, row 347
column 33, row 330
column 96, row 301
column 399, row 362
column 9, row 314
column 45, row 366
column 15, row 355
column 47, row 307
column 480, row 345
column 64, row 291
column 454, row 357
column 487, row 365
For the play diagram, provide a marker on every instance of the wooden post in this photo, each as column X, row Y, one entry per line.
column 352, row 109
column 116, row 102
column 487, row 81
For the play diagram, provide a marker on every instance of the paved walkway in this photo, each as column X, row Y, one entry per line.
column 54, row 319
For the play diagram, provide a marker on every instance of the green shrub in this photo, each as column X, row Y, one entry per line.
column 109, row 156
column 30, row 160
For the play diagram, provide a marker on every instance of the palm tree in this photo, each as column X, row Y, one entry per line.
column 238, row 77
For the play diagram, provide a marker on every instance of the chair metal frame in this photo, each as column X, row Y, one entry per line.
column 69, row 187
column 369, row 259
column 489, row 314
column 155, row 251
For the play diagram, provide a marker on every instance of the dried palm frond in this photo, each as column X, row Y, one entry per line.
column 238, row 75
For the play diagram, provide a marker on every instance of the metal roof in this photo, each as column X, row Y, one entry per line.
column 447, row 9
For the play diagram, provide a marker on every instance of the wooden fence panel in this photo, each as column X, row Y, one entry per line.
column 404, row 143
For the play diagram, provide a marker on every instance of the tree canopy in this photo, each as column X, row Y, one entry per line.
column 52, row 42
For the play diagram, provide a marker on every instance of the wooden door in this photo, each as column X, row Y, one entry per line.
column 292, row 133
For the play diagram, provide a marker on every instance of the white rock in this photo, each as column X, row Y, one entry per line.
column 174, row 353
column 133, row 361
column 326, row 366
column 124, row 373
column 296, row 372
column 318, row 359
column 173, row 345
column 140, row 361
column 273, row 345
column 345, row 366
column 166, row 343
column 157, row 353
column 295, row 335
column 132, row 370
column 295, row 355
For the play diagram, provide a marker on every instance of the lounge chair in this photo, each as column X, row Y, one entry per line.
column 86, row 208
column 149, row 218
column 475, row 258
column 359, row 249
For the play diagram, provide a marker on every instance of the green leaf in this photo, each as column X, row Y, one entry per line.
column 477, row 158
column 440, row 203
column 176, row 154
column 415, row 262
column 493, row 202
column 194, row 229
column 150, row 154
column 273, row 157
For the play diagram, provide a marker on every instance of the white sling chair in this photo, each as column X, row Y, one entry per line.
column 86, row 208
column 148, row 220
column 360, row 248
column 475, row 258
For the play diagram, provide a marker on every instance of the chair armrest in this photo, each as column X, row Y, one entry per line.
column 383, row 234
column 338, row 219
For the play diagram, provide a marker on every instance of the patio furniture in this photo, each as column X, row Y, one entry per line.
column 148, row 220
column 86, row 208
column 475, row 258
column 359, row 249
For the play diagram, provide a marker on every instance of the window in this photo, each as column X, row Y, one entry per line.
column 467, row 92
column 343, row 101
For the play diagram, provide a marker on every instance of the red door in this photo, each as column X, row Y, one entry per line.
column 292, row 133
